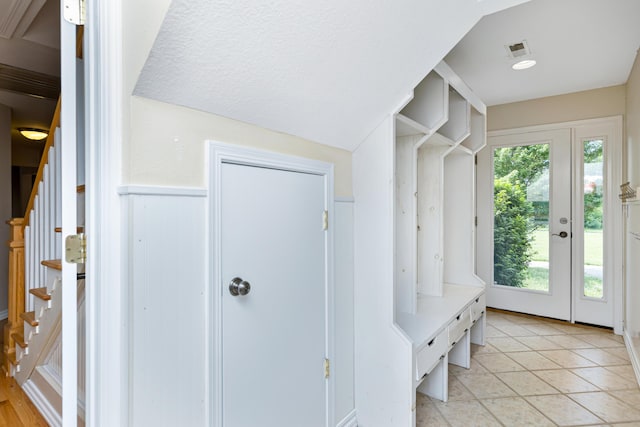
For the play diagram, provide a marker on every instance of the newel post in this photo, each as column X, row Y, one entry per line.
column 16, row 290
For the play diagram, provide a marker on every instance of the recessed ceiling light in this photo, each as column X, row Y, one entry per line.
column 523, row 65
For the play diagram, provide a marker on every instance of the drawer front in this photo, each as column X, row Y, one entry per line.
column 478, row 307
column 429, row 355
column 459, row 326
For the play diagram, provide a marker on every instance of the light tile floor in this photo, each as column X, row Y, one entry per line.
column 539, row 372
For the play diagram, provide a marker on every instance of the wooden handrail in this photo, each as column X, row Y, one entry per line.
column 43, row 161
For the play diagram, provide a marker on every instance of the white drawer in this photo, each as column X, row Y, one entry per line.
column 429, row 355
column 459, row 326
column 478, row 307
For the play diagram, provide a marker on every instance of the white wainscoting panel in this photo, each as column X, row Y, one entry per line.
column 167, row 235
column 344, row 349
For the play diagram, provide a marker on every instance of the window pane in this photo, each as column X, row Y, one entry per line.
column 592, row 196
column 521, row 216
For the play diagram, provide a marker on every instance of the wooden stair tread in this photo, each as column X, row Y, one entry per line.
column 40, row 293
column 30, row 318
column 53, row 263
column 80, row 229
column 18, row 337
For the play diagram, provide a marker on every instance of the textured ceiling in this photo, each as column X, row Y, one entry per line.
column 578, row 44
column 327, row 71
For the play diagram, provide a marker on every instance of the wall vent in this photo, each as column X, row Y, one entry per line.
column 518, row 50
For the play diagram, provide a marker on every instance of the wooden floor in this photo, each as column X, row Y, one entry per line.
column 16, row 410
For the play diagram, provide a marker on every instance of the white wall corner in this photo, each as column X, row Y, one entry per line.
column 492, row 6
column 634, row 354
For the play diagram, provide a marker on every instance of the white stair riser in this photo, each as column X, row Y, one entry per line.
column 30, row 331
column 40, row 307
column 21, row 352
column 52, row 277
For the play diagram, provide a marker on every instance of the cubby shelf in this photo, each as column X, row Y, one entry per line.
column 439, row 300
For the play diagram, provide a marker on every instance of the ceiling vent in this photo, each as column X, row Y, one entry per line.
column 518, row 50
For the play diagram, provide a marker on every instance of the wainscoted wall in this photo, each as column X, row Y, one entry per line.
column 344, row 363
column 167, row 343
column 167, row 264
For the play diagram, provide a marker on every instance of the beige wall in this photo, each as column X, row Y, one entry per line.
column 589, row 104
column 633, row 124
column 164, row 144
column 167, row 145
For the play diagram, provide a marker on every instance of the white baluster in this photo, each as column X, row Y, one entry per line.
column 58, row 207
column 28, row 274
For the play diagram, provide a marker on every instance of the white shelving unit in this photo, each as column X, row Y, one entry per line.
column 426, row 304
column 440, row 301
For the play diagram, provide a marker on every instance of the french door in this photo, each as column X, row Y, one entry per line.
column 546, row 222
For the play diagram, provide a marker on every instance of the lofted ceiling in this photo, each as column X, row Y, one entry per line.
column 326, row 71
column 330, row 71
column 29, row 68
column 578, row 45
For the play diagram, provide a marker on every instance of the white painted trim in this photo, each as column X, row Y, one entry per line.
column 107, row 358
column 349, row 421
column 553, row 126
column 459, row 85
column 42, row 403
column 219, row 153
column 69, row 109
column 633, row 355
column 156, row 190
column 4, row 314
column 344, row 200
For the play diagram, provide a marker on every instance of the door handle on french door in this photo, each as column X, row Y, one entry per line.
column 562, row 234
column 239, row 287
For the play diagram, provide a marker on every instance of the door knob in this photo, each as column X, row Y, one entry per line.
column 239, row 287
column 562, row 234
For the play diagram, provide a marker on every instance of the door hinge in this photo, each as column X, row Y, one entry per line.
column 327, row 368
column 74, row 11
column 75, row 247
column 325, row 220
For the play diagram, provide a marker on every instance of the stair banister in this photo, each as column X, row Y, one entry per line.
column 23, row 243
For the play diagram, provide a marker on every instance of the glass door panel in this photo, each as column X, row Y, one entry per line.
column 524, row 222
column 521, row 217
column 592, row 209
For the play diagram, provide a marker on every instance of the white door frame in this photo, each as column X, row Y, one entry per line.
column 107, row 299
column 69, row 198
column 220, row 153
column 615, row 207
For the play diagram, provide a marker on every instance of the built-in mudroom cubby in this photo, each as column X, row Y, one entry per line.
column 435, row 303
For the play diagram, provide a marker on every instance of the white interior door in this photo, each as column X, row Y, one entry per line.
column 274, row 320
column 524, row 219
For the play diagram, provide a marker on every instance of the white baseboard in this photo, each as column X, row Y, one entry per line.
column 40, row 401
column 634, row 355
column 4, row 314
column 349, row 421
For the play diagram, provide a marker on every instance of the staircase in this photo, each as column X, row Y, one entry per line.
column 33, row 348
